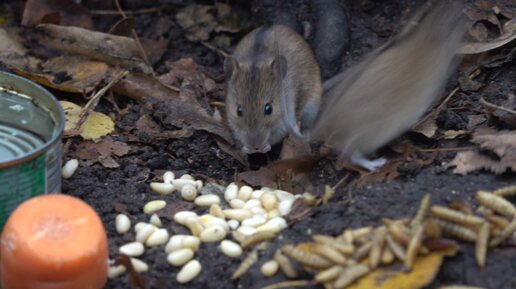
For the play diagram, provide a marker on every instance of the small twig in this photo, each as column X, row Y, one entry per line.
column 92, row 103
column 492, row 105
column 130, row 12
column 288, row 284
column 136, row 39
column 340, row 182
column 213, row 47
column 445, row 149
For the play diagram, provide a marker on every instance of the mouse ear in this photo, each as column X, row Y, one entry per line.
column 230, row 66
column 279, row 64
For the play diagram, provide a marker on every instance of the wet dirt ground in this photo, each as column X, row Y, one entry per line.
column 127, row 188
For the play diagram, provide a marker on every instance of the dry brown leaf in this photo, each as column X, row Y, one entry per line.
column 466, row 162
column 63, row 12
column 503, row 143
column 102, row 152
column 452, row 134
column 263, row 177
column 146, row 130
column 508, row 36
column 475, row 121
column 503, row 114
column 428, row 127
column 115, row 50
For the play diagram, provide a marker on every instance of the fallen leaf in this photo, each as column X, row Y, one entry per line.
column 263, row 177
column 466, row 162
column 94, row 127
column 396, row 276
column 63, row 12
column 508, row 36
column 452, row 134
column 503, row 114
column 102, row 152
column 503, row 143
column 115, row 50
column 479, row 32
column 428, row 127
column 146, row 130
column 475, row 121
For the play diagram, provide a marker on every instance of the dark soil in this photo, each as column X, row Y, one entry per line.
column 127, row 188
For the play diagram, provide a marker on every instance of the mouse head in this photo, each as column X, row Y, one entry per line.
column 252, row 101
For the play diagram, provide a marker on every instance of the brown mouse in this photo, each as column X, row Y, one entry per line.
column 269, row 65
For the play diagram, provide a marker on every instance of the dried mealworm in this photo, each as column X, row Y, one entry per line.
column 413, row 247
column 285, row 265
column 329, row 274
column 506, row 233
column 422, row 212
column 432, row 229
column 361, row 232
column 458, row 231
column 497, row 221
column 351, row 274
column 496, row 203
column 363, row 251
column 257, row 238
column 387, row 256
column 456, row 216
column 305, row 258
column 481, row 245
column 400, row 233
column 245, row 265
column 376, row 250
column 330, row 253
column 335, row 243
column 396, row 248
column 505, row 192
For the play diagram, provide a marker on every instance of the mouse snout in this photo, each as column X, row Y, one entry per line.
column 256, row 144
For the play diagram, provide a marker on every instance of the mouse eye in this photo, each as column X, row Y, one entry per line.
column 239, row 110
column 268, row 108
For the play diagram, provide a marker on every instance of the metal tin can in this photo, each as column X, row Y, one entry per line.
column 31, row 127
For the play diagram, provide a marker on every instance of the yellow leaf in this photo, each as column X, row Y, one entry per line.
column 397, row 277
column 95, row 126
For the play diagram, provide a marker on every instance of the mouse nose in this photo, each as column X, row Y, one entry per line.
column 257, row 149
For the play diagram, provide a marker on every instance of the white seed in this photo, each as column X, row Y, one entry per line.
column 182, row 242
column 283, row 195
column 233, row 224
column 154, row 206
column 188, row 192
column 237, row 214
column 180, row 257
column 182, row 216
column 230, row 248
column 244, row 193
column 236, row 204
column 273, row 214
column 246, row 231
column 139, row 226
column 189, row 272
column 252, row 203
column 133, row 249
column 207, row 200
column 180, row 183
column 159, row 237
column 285, row 206
column 269, row 201
column 199, row 185
column 266, row 189
column 115, row 271
column 155, row 220
column 259, row 211
column 269, row 268
column 187, row 177
column 69, row 168
column 210, row 220
column 144, row 233
column 231, row 192
column 195, row 226
column 139, row 265
column 162, row 188
column 168, row 177
column 213, row 234
column 216, row 211
column 309, row 199
column 257, row 194
column 122, row 224
column 254, row 221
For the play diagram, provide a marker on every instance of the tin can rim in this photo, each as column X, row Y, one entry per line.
column 57, row 114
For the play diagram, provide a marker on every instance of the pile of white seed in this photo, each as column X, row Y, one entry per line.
column 249, row 216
